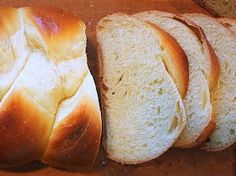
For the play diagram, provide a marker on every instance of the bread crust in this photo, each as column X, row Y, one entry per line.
column 175, row 60
column 212, row 79
column 9, row 21
column 226, row 145
column 75, row 140
column 61, row 32
column 24, row 130
column 174, row 56
column 214, row 69
column 25, row 126
column 212, row 75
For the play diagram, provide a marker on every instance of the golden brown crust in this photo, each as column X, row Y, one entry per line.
column 214, row 68
column 213, row 74
column 169, row 45
column 9, row 21
column 175, row 60
column 204, row 135
column 62, row 32
column 25, row 126
column 212, row 78
column 24, row 130
column 75, row 141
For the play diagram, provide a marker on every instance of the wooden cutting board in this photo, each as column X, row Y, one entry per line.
column 175, row 162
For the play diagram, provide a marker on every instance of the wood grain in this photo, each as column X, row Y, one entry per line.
column 175, row 162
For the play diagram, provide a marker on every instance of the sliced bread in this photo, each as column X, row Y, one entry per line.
column 203, row 73
column 223, row 41
column 144, row 113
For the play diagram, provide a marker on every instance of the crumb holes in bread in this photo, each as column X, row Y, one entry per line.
column 127, row 92
column 158, row 110
column 149, row 124
column 204, row 99
column 119, row 80
column 231, row 131
column 156, row 81
column 160, row 92
column 226, row 65
column 178, row 107
column 145, row 145
column 234, row 100
column 162, row 48
column 173, row 125
column 116, row 56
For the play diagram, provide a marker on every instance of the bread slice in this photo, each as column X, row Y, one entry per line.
column 143, row 110
column 54, row 71
column 223, row 41
column 203, row 73
column 229, row 22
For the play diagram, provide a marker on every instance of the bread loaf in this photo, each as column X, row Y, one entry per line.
column 50, row 105
column 223, row 41
column 143, row 110
column 203, row 74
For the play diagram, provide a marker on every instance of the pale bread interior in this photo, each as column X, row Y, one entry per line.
column 197, row 100
column 223, row 42
column 143, row 109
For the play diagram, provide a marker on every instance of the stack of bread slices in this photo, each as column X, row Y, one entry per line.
column 166, row 80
